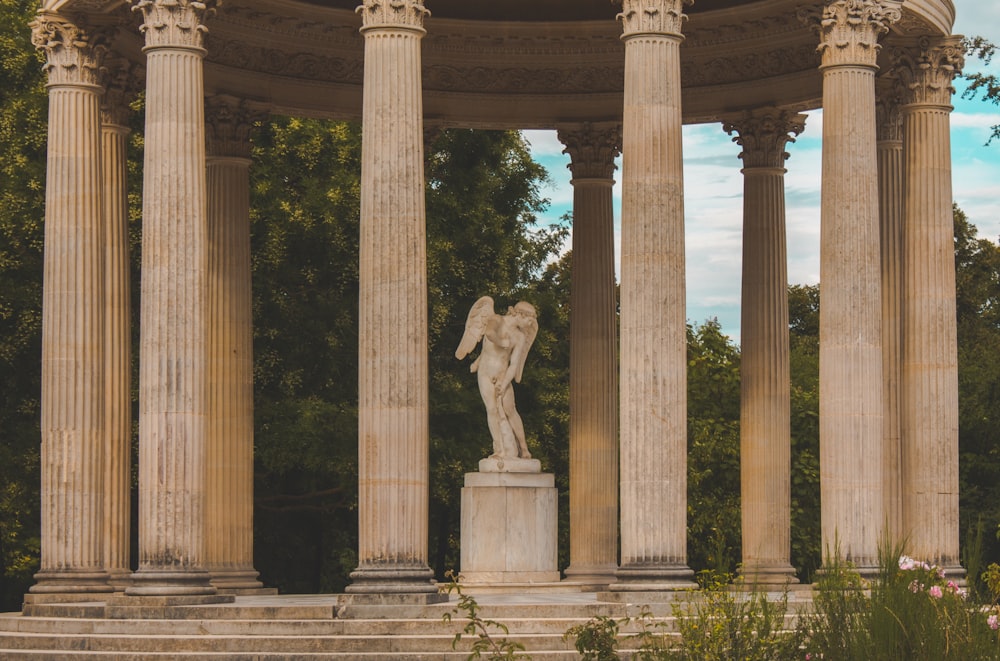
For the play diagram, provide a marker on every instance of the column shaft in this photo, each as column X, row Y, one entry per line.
column 929, row 390
column 765, row 402
column 117, row 356
column 593, row 386
column 229, row 512
column 72, row 405
column 653, row 323
column 891, row 200
column 851, row 442
column 393, row 453
column 173, row 401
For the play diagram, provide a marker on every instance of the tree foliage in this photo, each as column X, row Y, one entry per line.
column 23, row 108
column 980, row 82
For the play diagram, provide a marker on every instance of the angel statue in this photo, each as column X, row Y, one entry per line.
column 506, row 341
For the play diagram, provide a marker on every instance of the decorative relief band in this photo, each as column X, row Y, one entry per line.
column 849, row 29
column 178, row 23
column 228, row 123
column 763, row 134
column 73, row 54
column 652, row 16
column 592, row 150
column 928, row 68
column 392, row 14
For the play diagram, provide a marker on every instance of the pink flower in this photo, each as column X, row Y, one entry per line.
column 906, row 562
column 935, row 591
column 940, row 572
column 953, row 586
column 915, row 586
column 993, row 622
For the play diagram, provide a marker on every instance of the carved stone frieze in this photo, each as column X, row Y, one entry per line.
column 122, row 80
column 592, row 150
column 849, row 30
column 522, row 80
column 392, row 14
column 738, row 68
column 241, row 55
column 74, row 54
column 763, row 134
column 228, row 123
column 652, row 16
column 928, row 68
column 177, row 23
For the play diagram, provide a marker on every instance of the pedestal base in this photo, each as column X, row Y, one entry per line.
column 509, row 528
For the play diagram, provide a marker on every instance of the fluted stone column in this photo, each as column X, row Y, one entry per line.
column 765, row 397
column 120, row 88
column 890, row 196
column 173, row 402
column 393, row 443
column 229, row 498
column 72, row 422
column 593, row 368
column 850, row 314
column 929, row 390
column 653, row 370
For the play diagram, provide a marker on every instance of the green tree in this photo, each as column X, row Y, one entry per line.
column 23, row 106
column 482, row 205
column 981, row 82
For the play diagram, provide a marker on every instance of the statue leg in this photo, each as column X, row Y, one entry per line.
column 516, row 425
column 486, row 390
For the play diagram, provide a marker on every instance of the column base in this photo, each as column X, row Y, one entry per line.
column 71, row 582
column 120, row 579
column 598, row 576
column 165, row 583
column 391, row 581
column 654, row 578
column 766, row 576
column 239, row 582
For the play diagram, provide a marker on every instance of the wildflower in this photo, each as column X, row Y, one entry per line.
column 906, row 563
column 916, row 586
column 940, row 573
column 993, row 622
column 935, row 591
column 953, row 586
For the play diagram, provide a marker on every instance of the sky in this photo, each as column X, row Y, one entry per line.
column 713, row 188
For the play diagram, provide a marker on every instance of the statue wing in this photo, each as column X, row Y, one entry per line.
column 530, row 331
column 475, row 326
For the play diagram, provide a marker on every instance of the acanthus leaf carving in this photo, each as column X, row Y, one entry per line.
column 928, row 68
column 228, row 123
column 122, row 80
column 764, row 134
column 174, row 23
column 663, row 17
column 849, row 30
column 888, row 108
column 392, row 14
column 74, row 54
column 592, row 150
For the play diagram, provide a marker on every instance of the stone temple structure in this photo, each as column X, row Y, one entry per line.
column 610, row 78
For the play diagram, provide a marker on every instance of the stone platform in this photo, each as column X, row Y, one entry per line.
column 314, row 627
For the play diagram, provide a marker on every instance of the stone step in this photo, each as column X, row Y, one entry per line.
column 37, row 655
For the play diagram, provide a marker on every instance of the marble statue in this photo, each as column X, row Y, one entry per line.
column 506, row 340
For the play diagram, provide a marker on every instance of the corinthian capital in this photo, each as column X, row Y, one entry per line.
column 73, row 54
column 592, row 150
column 177, row 23
column 763, row 134
column 888, row 109
column 850, row 29
column 392, row 14
column 228, row 123
column 652, row 16
column 122, row 80
column 927, row 69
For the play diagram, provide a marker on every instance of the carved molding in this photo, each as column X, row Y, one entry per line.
column 241, row 55
column 928, row 68
column 174, row 23
column 743, row 67
column 522, row 80
column 392, row 14
column 592, row 150
column 122, row 80
column 664, row 17
column 74, row 54
column 764, row 134
column 849, row 30
column 228, row 123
